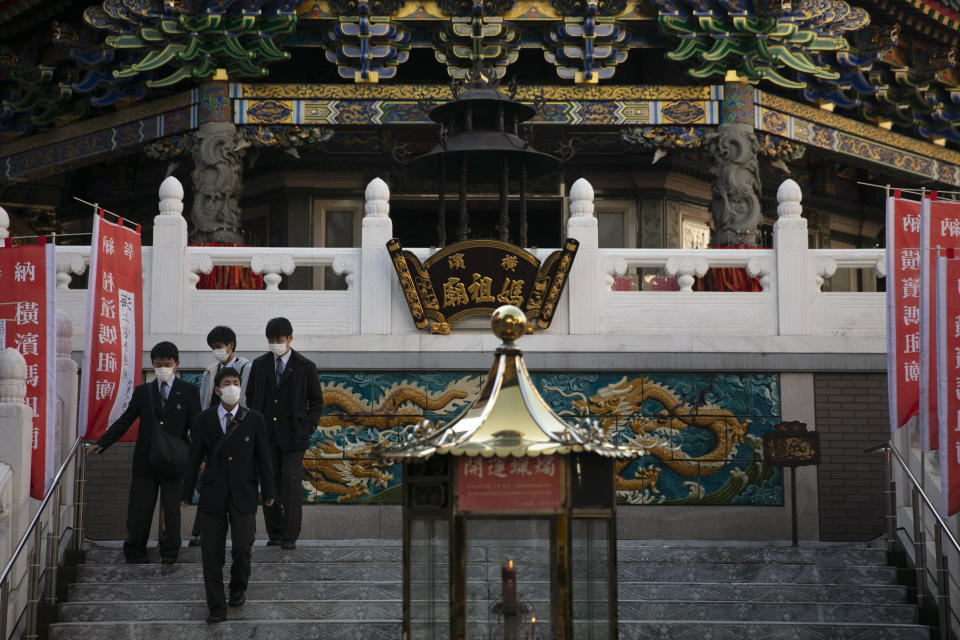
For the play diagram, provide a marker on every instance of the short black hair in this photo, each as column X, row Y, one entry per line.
column 165, row 350
column 223, row 373
column 222, row 334
column 279, row 328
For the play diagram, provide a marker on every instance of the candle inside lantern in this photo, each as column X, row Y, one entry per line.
column 533, row 628
column 508, row 575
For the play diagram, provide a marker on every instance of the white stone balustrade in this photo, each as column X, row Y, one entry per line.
column 371, row 316
column 16, row 430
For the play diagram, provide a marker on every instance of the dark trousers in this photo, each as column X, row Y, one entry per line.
column 143, row 500
column 213, row 544
column 284, row 517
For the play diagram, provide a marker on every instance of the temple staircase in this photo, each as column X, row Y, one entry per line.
column 334, row 590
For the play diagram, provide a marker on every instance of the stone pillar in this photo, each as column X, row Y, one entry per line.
column 16, row 430
column 376, row 272
column 793, row 267
column 583, row 289
column 4, row 224
column 735, row 172
column 67, row 385
column 169, row 272
column 218, row 151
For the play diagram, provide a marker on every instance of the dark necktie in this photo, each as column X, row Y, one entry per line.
column 279, row 370
column 163, row 394
column 226, row 421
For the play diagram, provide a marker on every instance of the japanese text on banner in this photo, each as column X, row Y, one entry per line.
column 948, row 377
column 115, row 339
column 939, row 236
column 903, row 309
column 27, row 280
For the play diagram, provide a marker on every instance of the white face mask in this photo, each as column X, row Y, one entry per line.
column 220, row 355
column 278, row 349
column 230, row 395
column 164, row 374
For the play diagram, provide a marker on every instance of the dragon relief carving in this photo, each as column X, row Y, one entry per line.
column 735, row 185
column 623, row 400
column 357, row 423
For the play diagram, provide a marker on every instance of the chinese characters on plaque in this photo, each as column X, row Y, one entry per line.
column 477, row 276
column 510, row 484
column 111, row 367
column 28, row 324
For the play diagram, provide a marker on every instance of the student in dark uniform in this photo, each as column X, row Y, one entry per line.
column 167, row 403
column 284, row 387
column 233, row 441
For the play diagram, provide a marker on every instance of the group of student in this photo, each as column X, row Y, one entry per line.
column 248, row 426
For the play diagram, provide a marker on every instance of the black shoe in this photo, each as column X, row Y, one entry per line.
column 168, row 560
column 273, row 542
column 237, row 598
column 288, row 544
column 216, row 617
column 195, row 541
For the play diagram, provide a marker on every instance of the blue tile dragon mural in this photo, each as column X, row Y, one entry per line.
column 701, row 431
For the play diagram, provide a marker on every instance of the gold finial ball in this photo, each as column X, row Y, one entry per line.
column 508, row 322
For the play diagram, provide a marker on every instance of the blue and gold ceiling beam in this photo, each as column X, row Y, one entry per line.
column 366, row 44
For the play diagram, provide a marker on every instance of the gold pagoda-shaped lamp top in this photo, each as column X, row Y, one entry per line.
column 509, row 417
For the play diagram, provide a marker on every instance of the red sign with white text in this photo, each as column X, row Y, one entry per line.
column 510, row 484
column 939, row 236
column 28, row 313
column 111, row 365
column 903, row 309
column 948, row 376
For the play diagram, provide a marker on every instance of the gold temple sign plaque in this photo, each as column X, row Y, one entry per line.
column 475, row 277
column 791, row 445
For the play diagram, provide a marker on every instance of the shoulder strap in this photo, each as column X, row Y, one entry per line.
column 231, row 429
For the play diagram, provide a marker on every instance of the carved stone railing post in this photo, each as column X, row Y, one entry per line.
column 67, row 384
column 586, row 276
column 376, row 272
column 67, row 388
column 686, row 269
column 4, row 224
column 793, row 258
column 271, row 267
column 68, row 265
column 16, row 430
column 169, row 273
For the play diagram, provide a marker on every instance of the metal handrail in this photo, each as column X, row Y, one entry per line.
column 35, row 531
column 941, row 574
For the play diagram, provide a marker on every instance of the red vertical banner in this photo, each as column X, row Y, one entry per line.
column 948, row 378
column 112, row 360
column 939, row 236
column 903, row 309
column 28, row 312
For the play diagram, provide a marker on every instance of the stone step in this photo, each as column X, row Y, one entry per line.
column 762, row 592
column 766, row 611
column 162, row 591
column 339, row 554
column 745, row 573
column 196, row 610
column 261, row 572
column 230, row 630
column 490, row 573
column 752, row 555
column 725, row 630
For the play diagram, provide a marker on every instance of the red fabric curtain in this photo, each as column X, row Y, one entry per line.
column 729, row 278
column 228, row 277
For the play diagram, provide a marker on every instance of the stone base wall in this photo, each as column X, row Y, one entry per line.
column 852, row 416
